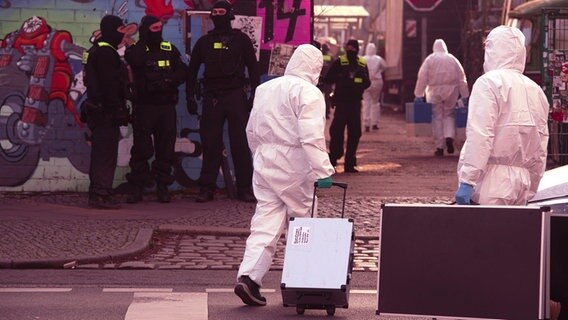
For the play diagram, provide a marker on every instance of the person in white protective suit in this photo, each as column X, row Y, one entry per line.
column 285, row 132
column 504, row 155
column 372, row 95
column 442, row 79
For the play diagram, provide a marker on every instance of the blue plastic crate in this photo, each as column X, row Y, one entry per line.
column 461, row 117
column 418, row 112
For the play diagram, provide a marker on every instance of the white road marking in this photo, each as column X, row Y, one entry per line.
column 137, row 290
column 13, row 290
column 230, row 290
column 363, row 291
column 168, row 306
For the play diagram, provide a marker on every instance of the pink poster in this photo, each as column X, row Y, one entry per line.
column 285, row 21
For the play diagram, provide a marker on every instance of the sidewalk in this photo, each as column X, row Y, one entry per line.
column 56, row 230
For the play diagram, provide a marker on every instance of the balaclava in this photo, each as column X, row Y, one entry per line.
column 324, row 48
column 223, row 22
column 152, row 39
column 109, row 30
column 352, row 53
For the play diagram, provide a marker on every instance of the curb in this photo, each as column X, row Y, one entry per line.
column 223, row 231
column 140, row 244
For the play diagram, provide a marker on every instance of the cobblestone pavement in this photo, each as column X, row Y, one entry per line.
column 394, row 168
column 179, row 250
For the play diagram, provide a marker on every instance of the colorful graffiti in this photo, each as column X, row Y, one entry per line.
column 39, row 94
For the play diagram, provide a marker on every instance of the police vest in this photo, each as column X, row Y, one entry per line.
column 361, row 62
column 344, row 61
column 159, row 63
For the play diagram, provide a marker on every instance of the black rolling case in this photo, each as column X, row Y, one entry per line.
column 318, row 261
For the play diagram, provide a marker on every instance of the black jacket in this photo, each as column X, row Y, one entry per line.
column 225, row 54
column 157, row 72
column 351, row 78
column 105, row 76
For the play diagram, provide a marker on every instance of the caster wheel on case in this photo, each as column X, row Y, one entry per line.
column 330, row 310
column 300, row 309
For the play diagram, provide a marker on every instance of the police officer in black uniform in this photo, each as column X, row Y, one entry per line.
column 158, row 71
column 225, row 52
column 350, row 75
column 105, row 109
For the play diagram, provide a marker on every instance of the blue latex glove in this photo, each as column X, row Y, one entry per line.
column 464, row 193
column 325, row 182
column 419, row 100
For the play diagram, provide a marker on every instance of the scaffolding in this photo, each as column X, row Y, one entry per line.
column 555, row 81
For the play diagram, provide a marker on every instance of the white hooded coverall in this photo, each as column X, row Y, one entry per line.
column 372, row 95
column 442, row 80
column 285, row 132
column 504, row 156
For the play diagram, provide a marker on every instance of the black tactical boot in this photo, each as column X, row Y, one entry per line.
column 450, row 145
column 103, row 202
column 135, row 195
column 249, row 292
column 163, row 193
column 246, row 195
column 205, row 195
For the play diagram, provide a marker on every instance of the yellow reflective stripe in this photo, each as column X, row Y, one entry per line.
column 358, row 80
column 343, row 60
column 326, row 58
column 166, row 46
column 163, row 63
column 85, row 57
column 362, row 62
column 105, row 44
column 217, row 45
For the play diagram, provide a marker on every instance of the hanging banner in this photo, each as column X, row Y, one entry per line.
column 285, row 21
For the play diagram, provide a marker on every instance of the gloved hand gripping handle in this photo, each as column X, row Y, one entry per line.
column 337, row 184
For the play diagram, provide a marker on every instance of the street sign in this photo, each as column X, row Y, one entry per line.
column 423, row 5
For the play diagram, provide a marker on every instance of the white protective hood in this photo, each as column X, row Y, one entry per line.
column 441, row 76
column 505, row 49
column 504, row 156
column 305, row 63
column 375, row 64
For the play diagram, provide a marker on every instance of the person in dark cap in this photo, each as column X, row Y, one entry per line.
column 225, row 52
column 105, row 109
column 350, row 76
column 157, row 70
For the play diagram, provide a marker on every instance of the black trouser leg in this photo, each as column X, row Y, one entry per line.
column 142, row 149
column 337, row 132
column 164, row 145
column 104, row 152
column 353, row 137
column 211, row 132
column 237, row 117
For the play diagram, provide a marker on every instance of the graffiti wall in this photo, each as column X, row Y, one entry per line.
column 43, row 144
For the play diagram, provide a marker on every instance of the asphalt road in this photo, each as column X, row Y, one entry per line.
column 106, row 294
